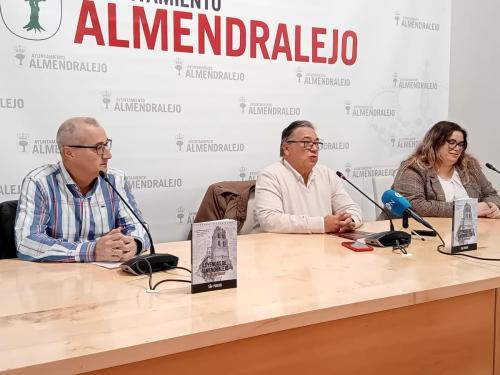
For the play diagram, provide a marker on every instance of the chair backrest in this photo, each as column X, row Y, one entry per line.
column 251, row 220
column 380, row 184
column 7, row 236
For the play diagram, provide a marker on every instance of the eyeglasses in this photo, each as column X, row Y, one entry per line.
column 99, row 148
column 452, row 144
column 308, row 145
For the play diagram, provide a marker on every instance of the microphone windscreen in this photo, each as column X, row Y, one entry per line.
column 395, row 202
column 340, row 174
column 488, row 165
column 103, row 174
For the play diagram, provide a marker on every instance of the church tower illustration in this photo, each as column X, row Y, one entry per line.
column 466, row 229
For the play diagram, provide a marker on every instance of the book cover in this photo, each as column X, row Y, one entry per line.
column 213, row 255
column 464, row 225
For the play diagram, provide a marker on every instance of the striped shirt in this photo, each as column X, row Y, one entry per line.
column 55, row 222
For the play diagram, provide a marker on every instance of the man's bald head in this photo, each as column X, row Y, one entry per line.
column 71, row 130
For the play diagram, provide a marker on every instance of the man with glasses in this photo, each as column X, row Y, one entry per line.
column 296, row 195
column 68, row 213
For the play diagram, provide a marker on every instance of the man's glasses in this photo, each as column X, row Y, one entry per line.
column 452, row 144
column 99, row 148
column 308, row 145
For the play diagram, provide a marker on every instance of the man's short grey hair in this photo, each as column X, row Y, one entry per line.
column 69, row 131
column 287, row 132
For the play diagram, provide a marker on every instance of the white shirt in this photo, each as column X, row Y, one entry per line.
column 453, row 188
column 285, row 204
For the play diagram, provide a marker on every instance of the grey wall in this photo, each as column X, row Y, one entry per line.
column 475, row 77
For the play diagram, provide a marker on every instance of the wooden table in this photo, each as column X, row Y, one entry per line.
column 304, row 304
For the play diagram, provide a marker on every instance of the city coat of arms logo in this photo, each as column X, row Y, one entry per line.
column 32, row 19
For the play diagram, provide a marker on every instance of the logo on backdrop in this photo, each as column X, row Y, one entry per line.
column 320, row 79
column 137, row 104
column 48, row 61
column 183, row 216
column 37, row 146
column 7, row 190
column 353, row 110
column 369, row 171
column 11, row 103
column 207, row 72
column 266, row 109
column 404, row 143
column 206, row 145
column 147, row 182
column 179, row 141
column 414, row 23
column 246, row 175
column 32, row 19
column 413, row 83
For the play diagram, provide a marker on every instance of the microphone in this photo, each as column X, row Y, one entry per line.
column 158, row 262
column 490, row 166
column 382, row 239
column 400, row 206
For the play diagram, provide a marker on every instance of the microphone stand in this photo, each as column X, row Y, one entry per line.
column 406, row 225
column 395, row 238
column 156, row 262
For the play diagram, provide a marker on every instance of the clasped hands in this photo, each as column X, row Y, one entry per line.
column 488, row 209
column 115, row 247
column 341, row 222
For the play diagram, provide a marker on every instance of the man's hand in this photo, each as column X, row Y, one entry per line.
column 341, row 222
column 112, row 247
column 130, row 248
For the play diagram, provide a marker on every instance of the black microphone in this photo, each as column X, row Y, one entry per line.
column 138, row 265
column 382, row 239
column 488, row 165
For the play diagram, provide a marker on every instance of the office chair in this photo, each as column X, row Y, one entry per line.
column 7, row 236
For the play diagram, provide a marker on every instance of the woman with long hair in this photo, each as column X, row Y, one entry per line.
column 440, row 171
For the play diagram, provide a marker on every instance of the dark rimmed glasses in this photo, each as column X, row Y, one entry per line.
column 99, row 148
column 453, row 144
column 308, row 145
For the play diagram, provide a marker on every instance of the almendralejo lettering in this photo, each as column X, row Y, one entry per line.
column 373, row 172
column 68, row 65
column 373, row 112
column 147, row 107
column 215, row 147
column 275, row 111
column 214, row 74
column 155, row 183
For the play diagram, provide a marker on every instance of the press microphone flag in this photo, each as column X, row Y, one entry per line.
column 400, row 206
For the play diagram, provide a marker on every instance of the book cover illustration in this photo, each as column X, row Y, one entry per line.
column 464, row 225
column 213, row 255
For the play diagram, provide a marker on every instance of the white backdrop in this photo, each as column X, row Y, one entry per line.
column 182, row 120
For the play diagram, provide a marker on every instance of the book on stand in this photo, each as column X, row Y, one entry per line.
column 464, row 225
column 213, row 255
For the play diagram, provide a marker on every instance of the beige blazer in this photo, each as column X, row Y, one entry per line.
column 424, row 191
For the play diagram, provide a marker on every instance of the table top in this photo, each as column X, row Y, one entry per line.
column 67, row 318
